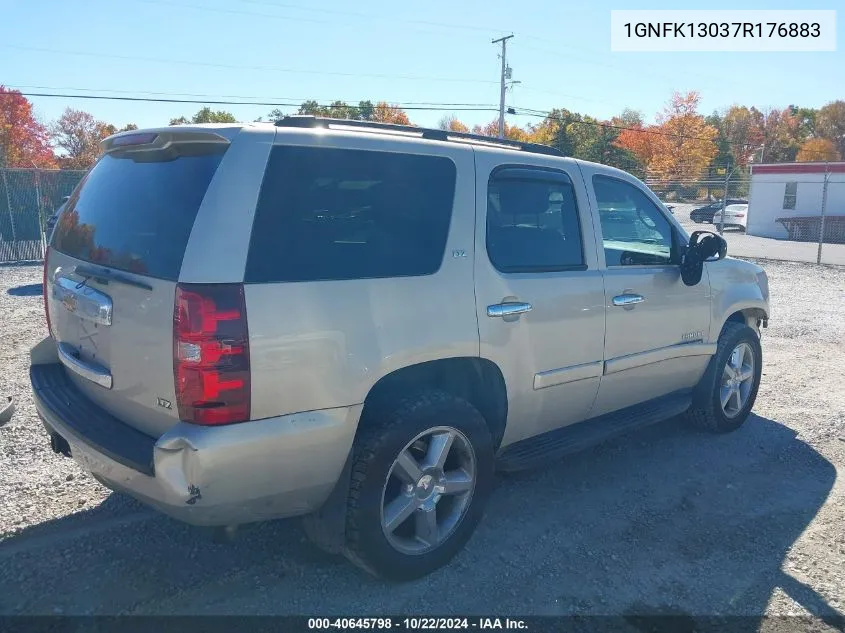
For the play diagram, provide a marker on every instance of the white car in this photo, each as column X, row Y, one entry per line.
column 736, row 216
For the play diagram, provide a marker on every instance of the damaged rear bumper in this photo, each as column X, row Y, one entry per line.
column 262, row 469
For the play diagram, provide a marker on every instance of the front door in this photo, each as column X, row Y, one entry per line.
column 657, row 327
column 539, row 292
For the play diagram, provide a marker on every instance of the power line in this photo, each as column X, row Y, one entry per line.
column 433, row 107
column 206, row 9
column 602, row 124
column 350, row 102
column 252, row 103
column 547, row 115
column 375, row 16
column 247, row 67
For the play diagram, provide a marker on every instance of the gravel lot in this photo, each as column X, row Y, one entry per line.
column 663, row 519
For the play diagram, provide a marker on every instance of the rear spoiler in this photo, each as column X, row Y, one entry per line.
column 156, row 140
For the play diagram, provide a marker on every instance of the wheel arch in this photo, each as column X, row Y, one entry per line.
column 477, row 380
column 754, row 317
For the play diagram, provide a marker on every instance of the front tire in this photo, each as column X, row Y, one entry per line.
column 421, row 476
column 723, row 399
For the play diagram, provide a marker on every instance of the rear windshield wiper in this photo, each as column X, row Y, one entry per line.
column 105, row 275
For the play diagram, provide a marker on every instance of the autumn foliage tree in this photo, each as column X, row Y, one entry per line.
column 644, row 142
column 830, row 124
column 680, row 146
column 24, row 142
column 742, row 133
column 780, row 129
column 818, row 149
column 78, row 134
column 512, row 132
column 386, row 113
column 381, row 112
column 451, row 123
column 206, row 115
column 687, row 143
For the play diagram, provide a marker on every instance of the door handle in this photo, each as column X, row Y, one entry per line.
column 627, row 299
column 508, row 309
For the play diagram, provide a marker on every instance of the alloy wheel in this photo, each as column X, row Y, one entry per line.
column 428, row 490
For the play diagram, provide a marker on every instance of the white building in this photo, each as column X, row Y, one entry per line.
column 787, row 190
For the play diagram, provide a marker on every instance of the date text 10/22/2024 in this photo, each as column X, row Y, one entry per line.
column 417, row 623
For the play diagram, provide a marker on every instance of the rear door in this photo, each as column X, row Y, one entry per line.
column 539, row 292
column 113, row 264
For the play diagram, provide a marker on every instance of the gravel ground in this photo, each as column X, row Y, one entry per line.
column 664, row 519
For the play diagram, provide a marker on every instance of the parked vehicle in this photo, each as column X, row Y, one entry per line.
column 704, row 215
column 358, row 323
column 736, row 217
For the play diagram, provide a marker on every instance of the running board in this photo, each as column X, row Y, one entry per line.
column 535, row 451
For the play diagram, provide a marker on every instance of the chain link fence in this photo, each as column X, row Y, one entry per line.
column 28, row 197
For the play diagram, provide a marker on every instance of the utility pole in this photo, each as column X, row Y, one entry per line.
column 505, row 76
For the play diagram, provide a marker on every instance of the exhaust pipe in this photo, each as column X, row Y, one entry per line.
column 59, row 445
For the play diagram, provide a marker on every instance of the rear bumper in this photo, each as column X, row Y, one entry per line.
column 263, row 469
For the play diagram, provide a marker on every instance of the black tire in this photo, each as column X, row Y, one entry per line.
column 706, row 410
column 378, row 444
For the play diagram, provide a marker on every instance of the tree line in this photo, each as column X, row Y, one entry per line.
column 682, row 144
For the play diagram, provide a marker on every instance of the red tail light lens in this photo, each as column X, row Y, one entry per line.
column 134, row 139
column 45, row 292
column 211, row 353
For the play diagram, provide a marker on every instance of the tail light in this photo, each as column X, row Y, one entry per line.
column 45, row 292
column 211, row 354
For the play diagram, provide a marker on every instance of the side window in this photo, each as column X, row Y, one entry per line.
column 327, row 214
column 532, row 221
column 790, row 195
column 634, row 231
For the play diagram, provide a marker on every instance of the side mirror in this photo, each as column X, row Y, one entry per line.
column 703, row 246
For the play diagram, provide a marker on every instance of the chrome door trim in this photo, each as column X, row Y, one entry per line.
column 564, row 375
column 682, row 350
column 91, row 371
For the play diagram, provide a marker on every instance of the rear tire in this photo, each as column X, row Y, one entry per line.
column 408, row 512
column 726, row 393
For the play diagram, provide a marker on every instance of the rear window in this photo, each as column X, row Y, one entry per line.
column 137, row 214
column 350, row 214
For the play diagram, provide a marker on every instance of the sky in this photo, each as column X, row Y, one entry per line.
column 406, row 52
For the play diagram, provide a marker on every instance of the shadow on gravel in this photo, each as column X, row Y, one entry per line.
column 662, row 521
column 29, row 290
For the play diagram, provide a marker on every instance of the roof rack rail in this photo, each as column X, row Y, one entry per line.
column 311, row 121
